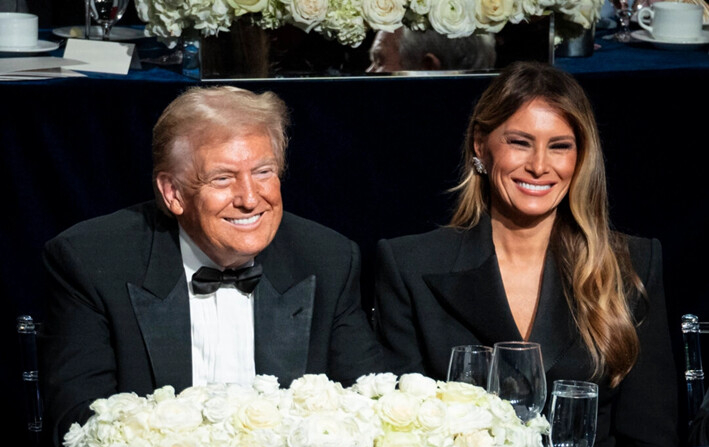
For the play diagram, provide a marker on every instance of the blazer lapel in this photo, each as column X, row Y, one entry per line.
column 554, row 327
column 472, row 291
column 161, row 306
column 476, row 298
column 282, row 324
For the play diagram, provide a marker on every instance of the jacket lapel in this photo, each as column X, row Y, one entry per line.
column 554, row 328
column 161, row 306
column 476, row 298
column 282, row 324
column 473, row 293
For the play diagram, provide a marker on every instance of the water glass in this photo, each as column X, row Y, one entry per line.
column 573, row 414
column 517, row 375
column 470, row 364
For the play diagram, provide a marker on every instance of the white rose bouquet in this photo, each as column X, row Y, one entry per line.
column 348, row 21
column 380, row 410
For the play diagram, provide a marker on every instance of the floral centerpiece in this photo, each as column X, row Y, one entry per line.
column 380, row 410
column 348, row 21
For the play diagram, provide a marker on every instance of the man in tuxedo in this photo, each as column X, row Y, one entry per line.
column 211, row 282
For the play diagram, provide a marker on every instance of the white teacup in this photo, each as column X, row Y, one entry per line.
column 18, row 30
column 672, row 21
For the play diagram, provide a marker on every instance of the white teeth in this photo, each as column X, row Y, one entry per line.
column 246, row 221
column 534, row 187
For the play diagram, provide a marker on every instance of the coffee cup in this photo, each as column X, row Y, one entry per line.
column 18, row 30
column 672, row 21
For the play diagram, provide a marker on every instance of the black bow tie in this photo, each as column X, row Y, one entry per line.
column 207, row 280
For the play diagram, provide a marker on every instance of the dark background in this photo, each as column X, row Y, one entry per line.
column 370, row 157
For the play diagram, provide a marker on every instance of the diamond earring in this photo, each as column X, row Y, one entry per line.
column 479, row 166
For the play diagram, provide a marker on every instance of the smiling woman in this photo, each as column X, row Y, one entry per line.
column 530, row 255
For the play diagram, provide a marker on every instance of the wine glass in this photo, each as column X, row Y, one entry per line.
column 107, row 13
column 517, row 375
column 470, row 364
column 623, row 12
column 573, row 414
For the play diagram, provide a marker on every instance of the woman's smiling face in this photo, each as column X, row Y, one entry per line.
column 530, row 160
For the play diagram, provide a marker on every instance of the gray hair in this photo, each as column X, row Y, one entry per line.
column 465, row 53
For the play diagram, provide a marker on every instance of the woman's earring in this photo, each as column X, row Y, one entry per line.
column 479, row 166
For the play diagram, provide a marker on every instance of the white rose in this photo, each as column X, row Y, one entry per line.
column 257, row 414
column 259, row 438
column 375, row 385
column 136, row 424
column 531, row 7
column 307, row 13
column 582, row 12
column 421, row 7
column 502, row 409
column 418, row 385
column 320, row 431
column 515, row 434
column 539, row 424
column 217, row 408
column 108, row 433
column 75, row 436
column 466, row 418
column 176, row 414
column 398, row 439
column 431, row 415
column 316, row 393
column 384, row 15
column 462, row 392
column 242, row 6
column 164, row 393
column 398, row 409
column 453, row 18
column 439, row 439
column 479, row 438
column 266, row 384
column 492, row 15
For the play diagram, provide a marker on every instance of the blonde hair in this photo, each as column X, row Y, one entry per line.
column 593, row 260
column 211, row 115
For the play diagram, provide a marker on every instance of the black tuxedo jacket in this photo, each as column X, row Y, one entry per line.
column 443, row 288
column 117, row 319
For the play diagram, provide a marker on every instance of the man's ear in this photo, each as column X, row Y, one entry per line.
column 430, row 62
column 170, row 191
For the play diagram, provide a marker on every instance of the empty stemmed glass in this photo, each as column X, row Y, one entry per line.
column 107, row 13
column 623, row 12
column 573, row 414
column 470, row 364
column 517, row 375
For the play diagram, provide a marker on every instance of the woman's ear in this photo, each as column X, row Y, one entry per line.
column 479, row 147
column 170, row 191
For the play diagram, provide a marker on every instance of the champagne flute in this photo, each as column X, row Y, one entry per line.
column 470, row 364
column 107, row 13
column 517, row 375
column 573, row 414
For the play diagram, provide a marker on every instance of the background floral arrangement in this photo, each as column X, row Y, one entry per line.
column 380, row 410
column 348, row 21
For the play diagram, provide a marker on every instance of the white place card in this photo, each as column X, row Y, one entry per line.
column 100, row 56
column 35, row 68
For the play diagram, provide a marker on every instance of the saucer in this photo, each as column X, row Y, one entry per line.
column 118, row 33
column 41, row 47
column 644, row 36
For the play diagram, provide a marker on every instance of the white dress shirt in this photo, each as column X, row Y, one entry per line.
column 222, row 326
